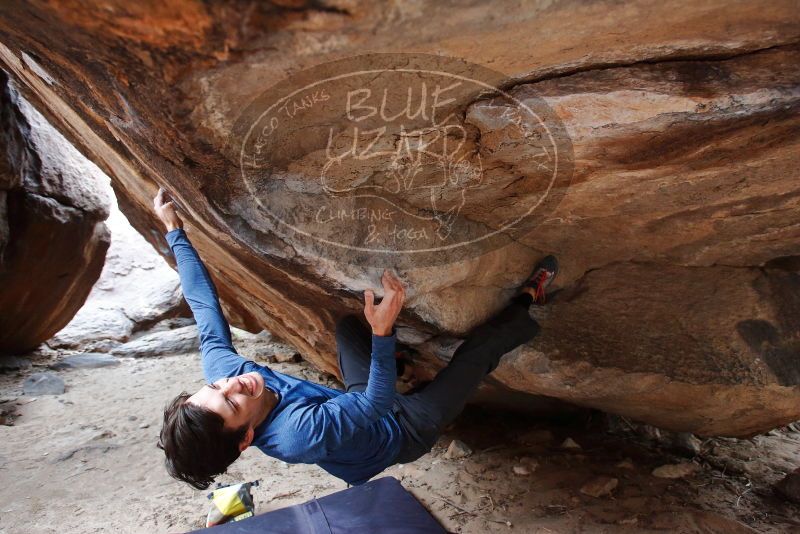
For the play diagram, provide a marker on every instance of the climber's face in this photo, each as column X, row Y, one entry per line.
column 239, row 400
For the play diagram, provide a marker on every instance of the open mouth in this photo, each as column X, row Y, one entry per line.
column 251, row 385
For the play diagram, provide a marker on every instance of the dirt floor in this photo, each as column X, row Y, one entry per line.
column 86, row 461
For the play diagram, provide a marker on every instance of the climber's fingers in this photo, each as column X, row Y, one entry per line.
column 391, row 282
column 164, row 208
column 158, row 201
column 369, row 303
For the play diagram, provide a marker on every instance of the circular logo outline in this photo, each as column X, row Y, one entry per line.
column 493, row 92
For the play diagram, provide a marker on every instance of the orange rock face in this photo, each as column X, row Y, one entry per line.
column 677, row 230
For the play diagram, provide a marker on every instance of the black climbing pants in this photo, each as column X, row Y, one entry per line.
column 425, row 413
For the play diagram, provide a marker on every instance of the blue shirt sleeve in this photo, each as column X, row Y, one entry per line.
column 219, row 357
column 324, row 427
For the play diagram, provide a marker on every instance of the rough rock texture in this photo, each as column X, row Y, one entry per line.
column 678, row 236
column 789, row 486
column 178, row 341
column 600, row 486
column 53, row 239
column 14, row 363
column 136, row 289
column 262, row 347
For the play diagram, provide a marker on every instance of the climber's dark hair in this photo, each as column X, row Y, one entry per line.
column 196, row 444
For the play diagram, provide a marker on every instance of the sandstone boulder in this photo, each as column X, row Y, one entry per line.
column 52, row 236
column 136, row 289
column 677, row 232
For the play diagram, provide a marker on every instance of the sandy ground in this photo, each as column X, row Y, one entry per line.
column 86, row 461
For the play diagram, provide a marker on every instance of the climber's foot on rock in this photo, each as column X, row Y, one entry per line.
column 543, row 275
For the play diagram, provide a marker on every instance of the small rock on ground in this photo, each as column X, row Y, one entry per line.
column 177, row 341
column 652, row 433
column 521, row 470
column 789, row 486
column 284, row 357
column 570, row 444
column 13, row 363
column 89, row 360
column 43, row 384
column 687, row 443
column 600, row 486
column 172, row 323
column 627, row 463
column 675, row 470
column 457, row 449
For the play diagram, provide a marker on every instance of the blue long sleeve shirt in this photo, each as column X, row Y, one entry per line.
column 352, row 436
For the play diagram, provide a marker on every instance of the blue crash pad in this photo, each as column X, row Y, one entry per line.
column 381, row 505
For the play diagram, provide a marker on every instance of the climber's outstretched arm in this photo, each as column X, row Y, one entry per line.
column 219, row 357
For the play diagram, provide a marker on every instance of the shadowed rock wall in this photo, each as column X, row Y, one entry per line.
column 678, row 235
column 53, row 240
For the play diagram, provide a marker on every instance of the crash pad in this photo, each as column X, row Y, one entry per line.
column 381, row 505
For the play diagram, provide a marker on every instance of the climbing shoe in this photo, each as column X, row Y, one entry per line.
column 543, row 275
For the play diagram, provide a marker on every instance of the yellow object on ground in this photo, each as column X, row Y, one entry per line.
column 231, row 503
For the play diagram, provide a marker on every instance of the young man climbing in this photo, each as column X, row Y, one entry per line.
column 353, row 434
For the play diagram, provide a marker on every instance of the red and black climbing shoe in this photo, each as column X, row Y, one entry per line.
column 543, row 275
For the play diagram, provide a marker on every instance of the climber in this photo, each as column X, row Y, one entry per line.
column 353, row 434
